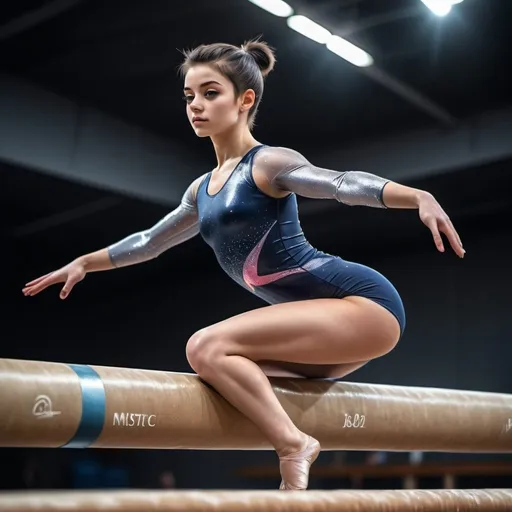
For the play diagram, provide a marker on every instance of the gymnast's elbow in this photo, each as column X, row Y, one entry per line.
column 134, row 249
column 359, row 188
column 148, row 248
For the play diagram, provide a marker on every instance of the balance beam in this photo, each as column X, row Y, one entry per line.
column 259, row 501
column 47, row 404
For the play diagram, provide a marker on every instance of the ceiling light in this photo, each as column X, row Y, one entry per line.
column 309, row 28
column 438, row 7
column 441, row 7
column 349, row 52
column 275, row 7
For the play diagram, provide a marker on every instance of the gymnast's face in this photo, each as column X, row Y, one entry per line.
column 212, row 105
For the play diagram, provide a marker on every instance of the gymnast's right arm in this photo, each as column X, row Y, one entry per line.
column 178, row 226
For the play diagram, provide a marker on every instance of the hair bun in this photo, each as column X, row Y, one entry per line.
column 262, row 53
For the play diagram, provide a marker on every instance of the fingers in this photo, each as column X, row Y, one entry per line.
column 453, row 237
column 38, row 280
column 432, row 224
column 438, row 222
column 456, row 234
column 67, row 275
column 39, row 287
column 68, row 286
column 41, row 283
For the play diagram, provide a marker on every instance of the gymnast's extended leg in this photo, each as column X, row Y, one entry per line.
column 314, row 332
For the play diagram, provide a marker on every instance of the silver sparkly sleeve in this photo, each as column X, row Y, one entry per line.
column 291, row 171
column 178, row 226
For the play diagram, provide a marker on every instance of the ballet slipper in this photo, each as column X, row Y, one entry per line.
column 295, row 466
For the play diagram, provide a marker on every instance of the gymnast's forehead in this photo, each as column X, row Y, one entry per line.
column 203, row 75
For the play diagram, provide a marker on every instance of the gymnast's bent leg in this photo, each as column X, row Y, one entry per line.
column 308, row 371
column 319, row 331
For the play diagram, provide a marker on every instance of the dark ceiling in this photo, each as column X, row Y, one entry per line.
column 122, row 57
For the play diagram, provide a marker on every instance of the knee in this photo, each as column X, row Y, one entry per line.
column 203, row 351
column 389, row 340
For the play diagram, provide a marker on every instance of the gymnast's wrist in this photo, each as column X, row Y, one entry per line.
column 83, row 261
column 422, row 197
column 89, row 262
column 95, row 261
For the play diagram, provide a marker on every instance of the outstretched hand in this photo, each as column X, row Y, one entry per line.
column 435, row 218
column 69, row 275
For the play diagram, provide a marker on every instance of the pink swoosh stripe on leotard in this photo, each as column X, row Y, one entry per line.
column 250, row 270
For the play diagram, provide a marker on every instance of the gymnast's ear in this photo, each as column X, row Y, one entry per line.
column 247, row 100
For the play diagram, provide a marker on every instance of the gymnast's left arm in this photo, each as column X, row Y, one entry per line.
column 288, row 170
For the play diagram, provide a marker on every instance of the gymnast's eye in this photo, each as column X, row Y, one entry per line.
column 211, row 94
column 188, row 98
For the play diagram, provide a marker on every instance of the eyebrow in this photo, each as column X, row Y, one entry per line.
column 202, row 85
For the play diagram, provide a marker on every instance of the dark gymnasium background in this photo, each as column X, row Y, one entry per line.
column 95, row 145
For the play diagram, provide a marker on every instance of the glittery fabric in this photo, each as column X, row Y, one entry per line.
column 258, row 240
column 250, row 273
column 176, row 227
column 291, row 171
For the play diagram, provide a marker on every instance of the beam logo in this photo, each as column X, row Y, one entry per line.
column 43, row 408
column 132, row 419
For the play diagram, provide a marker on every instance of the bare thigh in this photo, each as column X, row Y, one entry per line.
column 314, row 332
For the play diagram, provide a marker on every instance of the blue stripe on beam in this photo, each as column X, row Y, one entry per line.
column 93, row 407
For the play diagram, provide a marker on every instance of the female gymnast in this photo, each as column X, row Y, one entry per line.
column 326, row 316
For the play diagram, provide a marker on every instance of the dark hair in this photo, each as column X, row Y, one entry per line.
column 246, row 66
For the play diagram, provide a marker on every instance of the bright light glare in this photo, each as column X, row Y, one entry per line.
column 349, row 52
column 438, row 7
column 275, row 7
column 309, row 28
column 441, row 7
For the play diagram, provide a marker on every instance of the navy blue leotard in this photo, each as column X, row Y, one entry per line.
column 258, row 239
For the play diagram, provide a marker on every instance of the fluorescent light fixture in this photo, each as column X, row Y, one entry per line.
column 441, row 7
column 309, row 28
column 349, row 52
column 275, row 7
